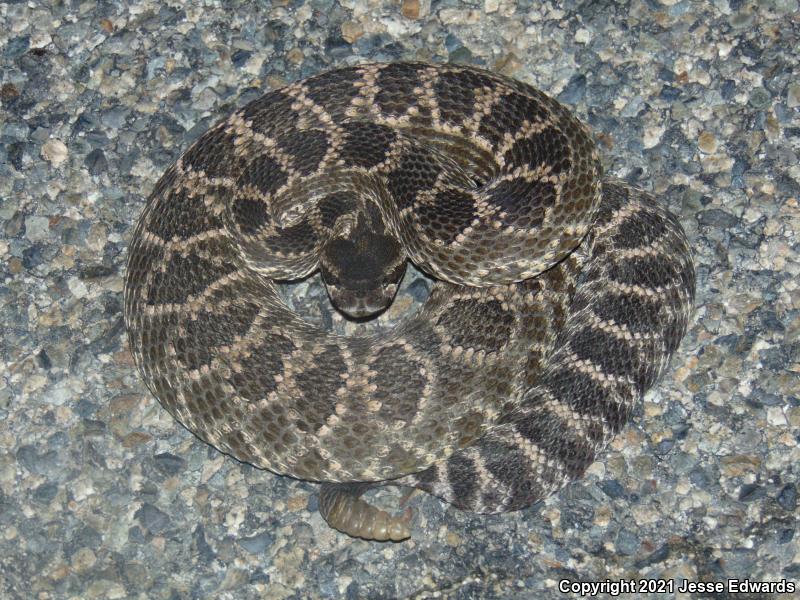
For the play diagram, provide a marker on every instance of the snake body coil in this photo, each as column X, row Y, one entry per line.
column 560, row 295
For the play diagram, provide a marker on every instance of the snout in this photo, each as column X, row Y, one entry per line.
column 360, row 304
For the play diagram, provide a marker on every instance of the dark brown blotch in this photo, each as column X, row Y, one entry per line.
column 640, row 230
column 297, row 239
column 396, row 83
column 365, row 144
column 510, row 466
column 601, row 403
column 637, row 313
column 184, row 276
column 271, row 113
column 549, row 147
column 307, row 147
column 179, row 215
column 448, row 215
column 255, row 378
column 547, row 431
column 646, row 271
column 318, row 381
column 207, row 332
column 497, row 324
column 507, row 115
column 524, row 203
column 250, row 215
column 263, row 173
column 455, row 96
column 335, row 205
column 213, row 155
column 416, row 171
column 398, row 403
column 610, row 354
column 335, row 90
column 462, row 475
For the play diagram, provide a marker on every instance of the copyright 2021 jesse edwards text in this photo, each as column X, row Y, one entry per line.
column 614, row 588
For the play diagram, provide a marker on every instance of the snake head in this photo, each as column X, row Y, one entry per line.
column 362, row 270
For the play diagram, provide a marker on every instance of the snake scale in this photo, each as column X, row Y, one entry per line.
column 560, row 295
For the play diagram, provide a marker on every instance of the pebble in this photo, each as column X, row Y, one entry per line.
column 738, row 464
column 152, row 518
column 77, row 287
column 83, row 559
column 575, row 90
column 55, row 152
column 351, row 31
column 627, row 543
column 96, row 162
column 37, row 229
column 760, row 98
column 707, row 142
column 775, row 416
column 793, row 95
column 751, row 492
column 583, row 36
column 716, row 217
column 411, row 9
column 169, row 464
column 258, row 543
column 788, row 497
column 652, row 136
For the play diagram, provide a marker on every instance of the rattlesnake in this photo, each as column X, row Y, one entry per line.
column 560, row 295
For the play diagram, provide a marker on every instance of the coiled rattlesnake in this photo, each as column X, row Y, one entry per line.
column 559, row 299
